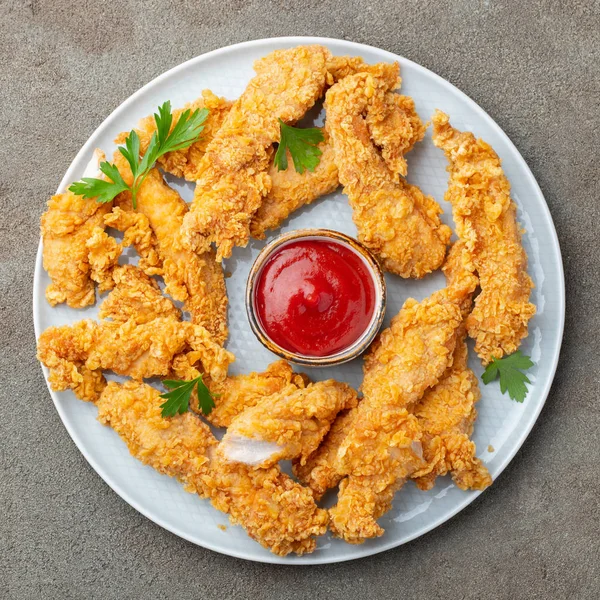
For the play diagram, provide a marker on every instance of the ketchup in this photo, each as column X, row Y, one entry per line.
column 314, row 297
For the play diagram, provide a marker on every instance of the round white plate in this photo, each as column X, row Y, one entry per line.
column 502, row 425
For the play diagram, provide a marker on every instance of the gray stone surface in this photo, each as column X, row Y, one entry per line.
column 66, row 64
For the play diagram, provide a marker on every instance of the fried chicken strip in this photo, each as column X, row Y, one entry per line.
column 276, row 512
column 103, row 255
column 286, row 425
column 383, row 445
column 236, row 393
column 138, row 234
column 66, row 227
column 136, row 297
column 196, row 280
column 394, row 219
column 446, row 415
column 291, row 190
column 137, row 350
column 486, row 221
column 233, row 180
column 319, row 471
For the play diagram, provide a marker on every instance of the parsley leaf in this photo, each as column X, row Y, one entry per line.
column 186, row 131
column 178, row 398
column 510, row 370
column 303, row 147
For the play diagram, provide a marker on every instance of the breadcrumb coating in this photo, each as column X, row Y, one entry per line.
column 136, row 297
column 138, row 234
column 137, row 350
column 233, row 177
column 486, row 221
column 446, row 415
column 236, row 393
column 66, row 227
column 103, row 254
column 319, row 471
column 291, row 423
column 394, row 219
column 278, row 513
column 291, row 190
column 382, row 447
column 196, row 280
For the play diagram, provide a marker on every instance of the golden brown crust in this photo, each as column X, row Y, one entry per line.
column 446, row 415
column 382, row 446
column 394, row 219
column 291, row 190
column 486, row 222
column 278, row 513
column 293, row 421
column 137, row 297
column 233, row 180
column 239, row 392
column 319, row 471
column 103, row 255
column 66, row 227
column 137, row 350
column 196, row 280
column 138, row 234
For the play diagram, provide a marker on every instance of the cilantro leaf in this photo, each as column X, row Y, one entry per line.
column 179, row 394
column 512, row 379
column 302, row 145
column 186, row 131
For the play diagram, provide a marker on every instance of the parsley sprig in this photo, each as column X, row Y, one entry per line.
column 303, row 147
column 186, row 131
column 512, row 379
column 178, row 398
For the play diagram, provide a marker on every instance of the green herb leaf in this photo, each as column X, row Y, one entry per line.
column 186, row 131
column 302, row 145
column 104, row 190
column 512, row 379
column 178, row 398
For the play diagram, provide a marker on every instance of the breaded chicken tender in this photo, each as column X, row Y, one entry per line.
column 137, row 350
column 138, row 234
column 236, row 393
column 103, row 255
column 446, row 415
column 394, row 219
column 196, row 280
column 176, row 446
column 486, row 221
column 383, row 445
column 136, row 297
column 319, row 471
column 278, row 513
column 291, row 190
column 233, row 177
column 66, row 227
column 286, row 425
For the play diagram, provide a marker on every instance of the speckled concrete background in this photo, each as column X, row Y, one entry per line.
column 534, row 66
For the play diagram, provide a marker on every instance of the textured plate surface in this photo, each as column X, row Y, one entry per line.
column 502, row 425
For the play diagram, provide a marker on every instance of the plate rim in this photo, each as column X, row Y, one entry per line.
column 470, row 496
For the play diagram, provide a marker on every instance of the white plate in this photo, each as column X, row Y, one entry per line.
column 502, row 424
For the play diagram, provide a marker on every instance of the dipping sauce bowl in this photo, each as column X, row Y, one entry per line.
column 316, row 297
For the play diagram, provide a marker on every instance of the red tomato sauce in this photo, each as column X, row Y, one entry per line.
column 314, row 297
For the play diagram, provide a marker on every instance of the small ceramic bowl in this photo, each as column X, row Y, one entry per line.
column 373, row 267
